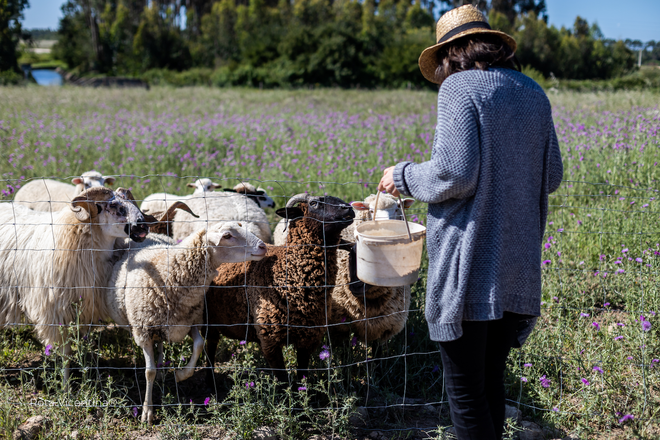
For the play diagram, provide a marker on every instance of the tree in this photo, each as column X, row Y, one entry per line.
column 11, row 13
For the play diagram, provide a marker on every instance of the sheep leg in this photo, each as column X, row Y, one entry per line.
column 150, row 374
column 212, row 340
column 198, row 345
column 159, row 362
column 275, row 359
column 303, row 355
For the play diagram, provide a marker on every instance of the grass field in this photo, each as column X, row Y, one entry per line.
column 590, row 369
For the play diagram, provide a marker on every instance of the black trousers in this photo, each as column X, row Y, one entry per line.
column 474, row 376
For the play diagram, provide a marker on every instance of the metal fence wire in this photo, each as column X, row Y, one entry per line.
column 593, row 354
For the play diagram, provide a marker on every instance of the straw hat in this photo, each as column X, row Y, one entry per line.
column 457, row 23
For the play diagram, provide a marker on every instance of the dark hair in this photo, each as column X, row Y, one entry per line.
column 477, row 51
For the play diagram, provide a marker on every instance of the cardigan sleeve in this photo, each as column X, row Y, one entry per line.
column 554, row 165
column 453, row 170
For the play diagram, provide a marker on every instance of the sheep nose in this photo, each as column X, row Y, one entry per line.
column 262, row 246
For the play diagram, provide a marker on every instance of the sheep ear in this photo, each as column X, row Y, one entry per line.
column 407, row 203
column 84, row 209
column 77, row 180
column 216, row 186
column 360, row 206
column 293, row 212
column 108, row 180
column 259, row 193
column 191, row 185
column 229, row 190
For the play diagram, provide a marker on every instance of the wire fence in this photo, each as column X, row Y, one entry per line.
column 593, row 355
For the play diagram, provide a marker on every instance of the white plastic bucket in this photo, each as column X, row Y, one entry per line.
column 386, row 256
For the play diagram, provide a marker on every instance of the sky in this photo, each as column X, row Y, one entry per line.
column 637, row 20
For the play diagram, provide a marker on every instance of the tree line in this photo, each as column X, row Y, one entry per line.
column 346, row 43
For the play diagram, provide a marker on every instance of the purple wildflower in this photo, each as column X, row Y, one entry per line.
column 618, row 337
column 47, row 350
column 598, row 369
column 302, row 388
column 626, row 418
column 585, row 381
column 595, row 324
column 646, row 326
column 523, row 379
column 325, row 354
column 545, row 382
column 527, row 365
column 135, row 411
column 206, row 401
column 354, row 341
column 584, row 315
column 242, row 343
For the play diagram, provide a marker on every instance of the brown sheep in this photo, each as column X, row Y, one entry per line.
column 285, row 297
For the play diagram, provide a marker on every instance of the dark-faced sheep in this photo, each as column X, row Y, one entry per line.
column 285, row 297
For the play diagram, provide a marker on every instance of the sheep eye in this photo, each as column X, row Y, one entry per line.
column 262, row 198
column 314, row 204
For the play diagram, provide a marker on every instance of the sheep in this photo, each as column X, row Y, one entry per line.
column 158, row 291
column 388, row 208
column 159, row 202
column 53, row 195
column 54, row 267
column 257, row 194
column 283, row 298
column 221, row 206
column 373, row 313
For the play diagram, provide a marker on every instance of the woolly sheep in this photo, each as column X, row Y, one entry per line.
column 159, row 202
column 53, row 195
column 372, row 313
column 158, row 291
column 388, row 209
column 218, row 207
column 54, row 268
column 282, row 298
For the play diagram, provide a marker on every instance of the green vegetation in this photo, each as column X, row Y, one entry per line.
column 597, row 357
column 268, row 43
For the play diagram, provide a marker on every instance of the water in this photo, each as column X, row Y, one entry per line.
column 47, row 77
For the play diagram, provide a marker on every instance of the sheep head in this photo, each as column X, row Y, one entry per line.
column 331, row 213
column 91, row 179
column 388, row 207
column 257, row 194
column 203, row 185
column 231, row 242
column 137, row 223
column 89, row 203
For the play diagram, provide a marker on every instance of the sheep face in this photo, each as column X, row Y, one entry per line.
column 231, row 242
column 388, row 207
column 137, row 223
column 91, row 179
column 331, row 212
column 262, row 199
column 204, row 185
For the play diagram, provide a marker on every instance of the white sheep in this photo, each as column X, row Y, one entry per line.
column 54, row 268
column 53, row 195
column 158, row 291
column 159, row 202
column 214, row 207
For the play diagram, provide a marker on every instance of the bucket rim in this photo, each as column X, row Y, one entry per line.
column 394, row 239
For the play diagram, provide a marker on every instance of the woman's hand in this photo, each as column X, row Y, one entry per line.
column 387, row 182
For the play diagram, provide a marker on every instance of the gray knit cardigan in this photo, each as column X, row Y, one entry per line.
column 495, row 159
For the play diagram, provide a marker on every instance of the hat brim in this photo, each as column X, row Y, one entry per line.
column 428, row 62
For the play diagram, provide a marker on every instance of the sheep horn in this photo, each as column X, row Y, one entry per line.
column 296, row 199
column 84, row 206
column 127, row 194
column 159, row 226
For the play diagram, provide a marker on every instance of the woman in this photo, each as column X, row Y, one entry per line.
column 495, row 159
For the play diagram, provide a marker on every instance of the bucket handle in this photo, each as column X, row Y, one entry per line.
column 403, row 211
